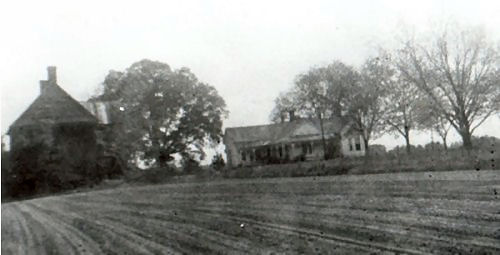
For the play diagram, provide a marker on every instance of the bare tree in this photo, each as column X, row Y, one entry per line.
column 311, row 95
column 401, row 101
column 366, row 105
column 321, row 93
column 459, row 71
column 284, row 103
column 429, row 118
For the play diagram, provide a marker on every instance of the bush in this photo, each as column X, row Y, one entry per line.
column 218, row 162
column 190, row 165
column 307, row 168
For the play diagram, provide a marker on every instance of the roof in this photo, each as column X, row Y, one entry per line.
column 54, row 106
column 293, row 131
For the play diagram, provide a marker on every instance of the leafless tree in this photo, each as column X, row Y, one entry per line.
column 401, row 101
column 366, row 106
column 284, row 103
column 320, row 93
column 311, row 95
column 429, row 118
column 458, row 69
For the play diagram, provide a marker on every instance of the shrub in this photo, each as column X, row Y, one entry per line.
column 218, row 162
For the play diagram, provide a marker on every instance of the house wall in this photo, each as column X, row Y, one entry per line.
column 76, row 147
column 71, row 147
column 296, row 152
column 232, row 156
column 29, row 135
column 349, row 146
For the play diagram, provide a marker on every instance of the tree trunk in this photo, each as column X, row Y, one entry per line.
column 466, row 139
column 444, row 143
column 407, row 139
column 162, row 162
column 323, row 136
column 408, row 146
column 367, row 147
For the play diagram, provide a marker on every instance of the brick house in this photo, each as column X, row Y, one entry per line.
column 62, row 126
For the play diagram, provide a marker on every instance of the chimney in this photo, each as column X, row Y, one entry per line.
column 291, row 115
column 52, row 75
column 51, row 80
column 44, row 85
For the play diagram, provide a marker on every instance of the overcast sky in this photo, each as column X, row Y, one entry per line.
column 248, row 50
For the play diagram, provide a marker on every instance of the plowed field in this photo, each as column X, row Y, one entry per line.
column 411, row 213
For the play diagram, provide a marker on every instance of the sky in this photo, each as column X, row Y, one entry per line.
column 249, row 51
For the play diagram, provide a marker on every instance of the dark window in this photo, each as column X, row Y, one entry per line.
column 252, row 156
column 350, row 144
column 280, row 150
column 243, row 156
column 287, row 151
column 310, row 147
column 358, row 143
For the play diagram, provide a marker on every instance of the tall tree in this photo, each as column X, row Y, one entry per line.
column 459, row 70
column 320, row 93
column 311, row 95
column 163, row 111
column 366, row 105
column 402, row 101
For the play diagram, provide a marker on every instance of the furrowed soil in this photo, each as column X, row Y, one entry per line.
column 407, row 213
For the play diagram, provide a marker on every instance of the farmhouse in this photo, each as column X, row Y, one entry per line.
column 61, row 126
column 296, row 140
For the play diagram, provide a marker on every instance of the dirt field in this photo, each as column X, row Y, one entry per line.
column 417, row 213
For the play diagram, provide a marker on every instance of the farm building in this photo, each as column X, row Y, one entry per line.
column 58, row 132
column 296, row 140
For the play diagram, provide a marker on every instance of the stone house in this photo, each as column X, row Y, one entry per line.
column 290, row 141
column 60, row 125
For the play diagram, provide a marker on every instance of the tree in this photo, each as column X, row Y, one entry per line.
column 428, row 118
column 318, row 93
column 163, row 111
column 402, row 101
column 459, row 71
column 311, row 94
column 322, row 93
column 366, row 105
column 285, row 102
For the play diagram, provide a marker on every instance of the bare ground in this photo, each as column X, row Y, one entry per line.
column 408, row 213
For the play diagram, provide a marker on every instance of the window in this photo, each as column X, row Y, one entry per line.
column 351, row 141
column 358, row 143
column 252, row 156
column 243, row 156
column 307, row 148
column 280, row 150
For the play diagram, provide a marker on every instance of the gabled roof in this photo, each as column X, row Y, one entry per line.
column 293, row 131
column 53, row 106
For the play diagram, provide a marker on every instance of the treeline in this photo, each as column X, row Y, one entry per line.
column 450, row 80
